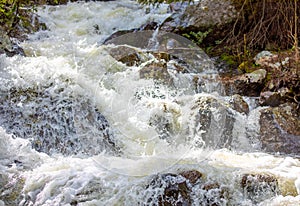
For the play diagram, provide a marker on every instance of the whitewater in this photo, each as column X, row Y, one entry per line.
column 79, row 127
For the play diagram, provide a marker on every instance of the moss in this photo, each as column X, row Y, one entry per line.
column 229, row 59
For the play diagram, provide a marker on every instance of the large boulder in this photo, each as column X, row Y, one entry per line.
column 200, row 16
column 56, row 120
column 280, row 129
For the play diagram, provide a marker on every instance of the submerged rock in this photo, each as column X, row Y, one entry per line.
column 259, row 187
column 186, row 188
column 280, row 129
column 56, row 120
column 156, row 71
column 11, row 187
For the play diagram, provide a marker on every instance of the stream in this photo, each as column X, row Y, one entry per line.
column 140, row 119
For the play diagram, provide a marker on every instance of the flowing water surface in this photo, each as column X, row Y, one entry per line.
column 79, row 127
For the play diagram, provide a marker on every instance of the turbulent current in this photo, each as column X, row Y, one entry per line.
column 139, row 119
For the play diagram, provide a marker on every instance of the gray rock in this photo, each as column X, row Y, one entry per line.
column 280, row 129
column 213, row 121
column 200, row 16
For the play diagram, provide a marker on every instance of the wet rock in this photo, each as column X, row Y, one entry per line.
column 167, row 46
column 280, row 129
column 56, row 120
column 149, row 26
column 11, row 187
column 157, row 71
column 239, row 104
column 213, row 123
column 259, row 187
column 160, row 55
column 128, row 55
column 91, row 191
column 200, row 16
column 164, row 125
column 192, row 176
column 145, row 27
column 8, row 47
column 250, row 84
column 174, row 190
column 186, row 188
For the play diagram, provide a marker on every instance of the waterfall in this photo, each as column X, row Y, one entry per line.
column 128, row 122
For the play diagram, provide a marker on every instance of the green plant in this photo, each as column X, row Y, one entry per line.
column 197, row 37
column 14, row 12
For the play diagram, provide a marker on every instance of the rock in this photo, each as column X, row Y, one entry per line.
column 259, row 187
column 93, row 190
column 11, row 187
column 239, row 104
column 261, row 56
column 274, row 99
column 179, row 189
column 128, row 55
column 200, row 16
column 56, row 120
column 267, row 59
column 156, row 71
column 160, row 55
column 8, row 47
column 174, row 190
column 250, row 84
column 167, row 46
column 280, row 129
column 212, row 124
column 145, row 27
column 163, row 124
column 192, row 175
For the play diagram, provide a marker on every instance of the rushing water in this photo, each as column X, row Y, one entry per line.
column 80, row 128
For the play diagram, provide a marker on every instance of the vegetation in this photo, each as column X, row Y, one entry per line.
column 16, row 16
column 14, row 12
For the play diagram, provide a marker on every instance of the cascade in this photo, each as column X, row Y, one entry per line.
column 138, row 120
